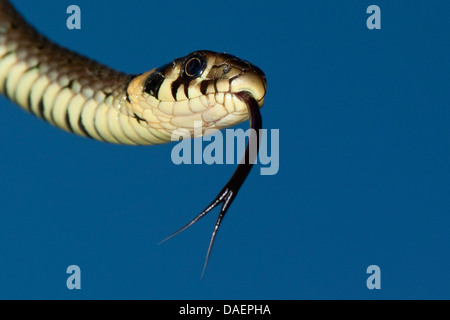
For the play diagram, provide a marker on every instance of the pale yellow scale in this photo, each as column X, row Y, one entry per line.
column 49, row 98
column 101, row 123
column 6, row 63
column 88, row 117
column 74, row 109
column 59, row 110
column 112, row 119
column 16, row 73
column 36, row 93
column 181, row 108
column 127, row 125
column 24, row 86
column 147, row 134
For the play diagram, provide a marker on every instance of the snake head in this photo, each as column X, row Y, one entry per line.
column 202, row 86
column 224, row 73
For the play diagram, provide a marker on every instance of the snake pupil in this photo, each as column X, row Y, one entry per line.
column 194, row 67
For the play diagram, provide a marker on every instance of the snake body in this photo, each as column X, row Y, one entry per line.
column 82, row 96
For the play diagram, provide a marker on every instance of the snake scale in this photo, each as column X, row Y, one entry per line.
column 87, row 98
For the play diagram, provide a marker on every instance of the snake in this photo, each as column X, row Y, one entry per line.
column 82, row 96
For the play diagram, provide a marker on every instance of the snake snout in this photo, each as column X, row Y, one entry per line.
column 252, row 80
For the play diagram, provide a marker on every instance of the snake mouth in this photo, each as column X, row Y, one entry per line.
column 251, row 82
column 249, row 78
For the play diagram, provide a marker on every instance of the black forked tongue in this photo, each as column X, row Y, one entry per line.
column 231, row 188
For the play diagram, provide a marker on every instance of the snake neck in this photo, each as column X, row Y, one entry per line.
column 66, row 89
column 19, row 40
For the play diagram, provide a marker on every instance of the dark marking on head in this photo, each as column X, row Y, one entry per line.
column 204, row 87
column 153, row 83
column 186, row 89
column 175, row 86
column 127, row 96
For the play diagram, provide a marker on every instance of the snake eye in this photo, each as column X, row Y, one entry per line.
column 194, row 67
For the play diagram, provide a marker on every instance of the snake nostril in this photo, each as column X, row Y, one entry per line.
column 226, row 69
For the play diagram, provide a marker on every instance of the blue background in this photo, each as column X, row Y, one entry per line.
column 364, row 120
